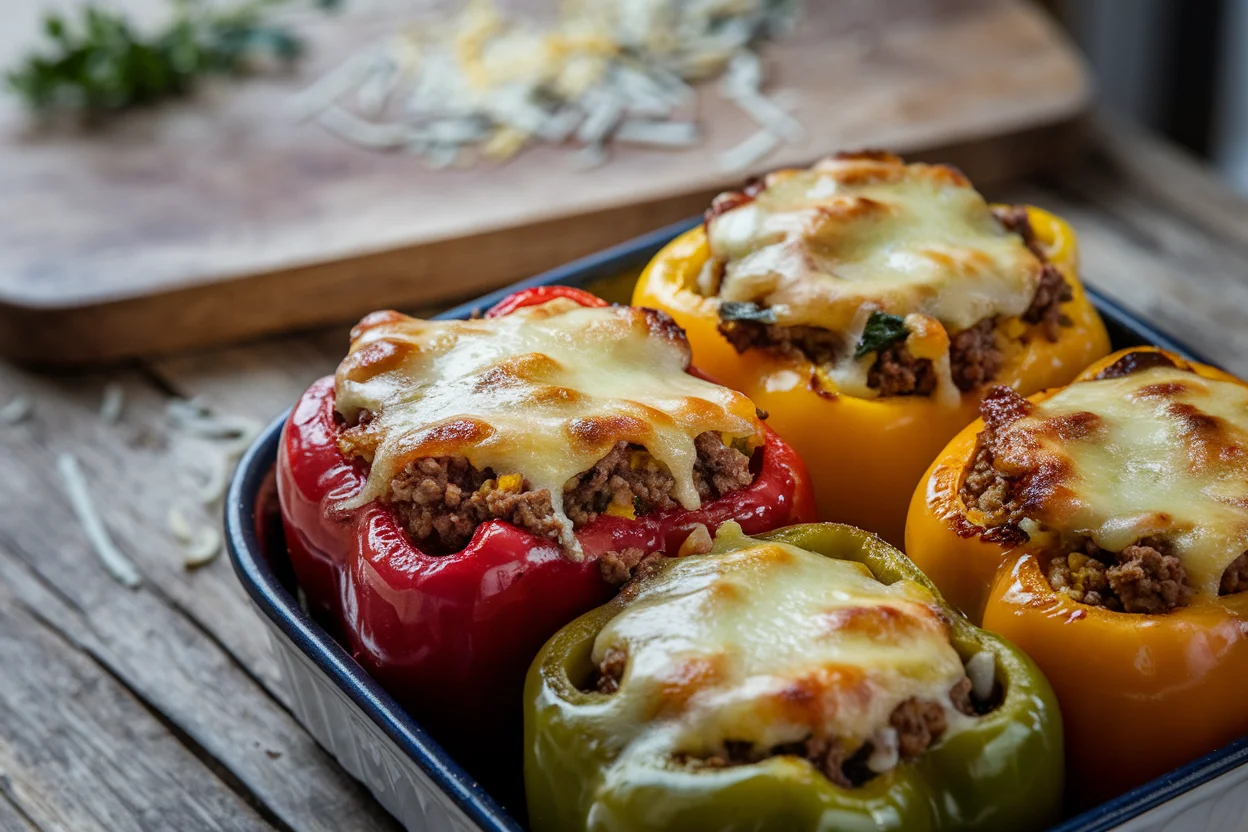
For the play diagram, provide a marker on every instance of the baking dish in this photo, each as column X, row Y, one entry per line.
column 385, row 748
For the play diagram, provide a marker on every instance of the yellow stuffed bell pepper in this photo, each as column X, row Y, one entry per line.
column 866, row 449
column 1103, row 528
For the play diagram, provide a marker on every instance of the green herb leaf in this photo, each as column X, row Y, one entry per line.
column 100, row 64
column 735, row 310
column 882, row 330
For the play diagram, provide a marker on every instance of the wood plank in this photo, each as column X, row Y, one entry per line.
column 78, row 751
column 257, row 380
column 1175, row 268
column 1171, row 179
column 189, row 646
column 145, row 470
column 1156, row 259
column 102, row 253
column 168, row 640
column 13, row 817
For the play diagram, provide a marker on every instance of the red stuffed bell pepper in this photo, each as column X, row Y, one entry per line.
column 460, row 490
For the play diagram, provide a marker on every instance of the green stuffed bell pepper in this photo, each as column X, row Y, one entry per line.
column 808, row 679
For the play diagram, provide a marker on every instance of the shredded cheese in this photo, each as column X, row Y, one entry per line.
column 115, row 561
column 17, row 410
column 481, row 84
column 855, row 234
column 112, row 403
column 179, row 526
column 770, row 644
column 203, row 549
column 1160, row 453
column 541, row 394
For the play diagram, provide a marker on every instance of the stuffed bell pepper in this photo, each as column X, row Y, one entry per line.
column 1103, row 528
column 866, row 304
column 807, row 679
column 462, row 489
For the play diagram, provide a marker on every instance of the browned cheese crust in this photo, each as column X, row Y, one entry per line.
column 441, row 502
column 1145, row 577
column 918, row 725
column 975, row 354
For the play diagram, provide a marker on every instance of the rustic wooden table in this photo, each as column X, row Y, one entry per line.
column 161, row 707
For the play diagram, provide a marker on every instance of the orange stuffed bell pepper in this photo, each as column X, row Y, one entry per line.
column 1103, row 528
column 866, row 304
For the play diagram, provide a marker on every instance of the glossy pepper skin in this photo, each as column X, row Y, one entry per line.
column 1140, row 694
column 452, row 635
column 1004, row 773
column 887, row 443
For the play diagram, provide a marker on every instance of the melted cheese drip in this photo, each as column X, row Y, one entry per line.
column 544, row 392
column 768, row 643
column 1166, row 455
column 826, row 246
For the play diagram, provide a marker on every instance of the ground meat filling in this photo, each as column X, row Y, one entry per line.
column 441, row 501
column 1143, row 578
column 989, row 491
column 898, row 373
column 720, row 469
column 1235, row 578
column 803, row 343
column 611, row 670
column 975, row 354
column 1053, row 290
column 617, row 567
column 1139, row 579
column 1046, row 306
column 628, row 476
column 914, row 726
column 974, row 360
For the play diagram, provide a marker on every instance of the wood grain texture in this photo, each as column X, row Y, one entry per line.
column 188, row 643
column 79, row 751
column 178, row 673
column 215, row 219
column 1159, row 234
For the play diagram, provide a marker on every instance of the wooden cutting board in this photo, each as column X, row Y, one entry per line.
column 220, row 218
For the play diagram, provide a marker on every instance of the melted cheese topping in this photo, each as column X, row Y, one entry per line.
column 825, row 247
column 545, row 392
column 1161, row 452
column 768, row 643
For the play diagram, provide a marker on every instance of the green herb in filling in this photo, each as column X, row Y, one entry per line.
column 882, row 330
column 735, row 310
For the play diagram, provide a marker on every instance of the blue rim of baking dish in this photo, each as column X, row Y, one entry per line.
column 281, row 607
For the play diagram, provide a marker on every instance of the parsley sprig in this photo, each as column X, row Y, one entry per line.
column 882, row 330
column 100, row 64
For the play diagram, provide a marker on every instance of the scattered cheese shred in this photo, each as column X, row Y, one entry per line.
column 484, row 85
column 201, row 545
column 981, row 669
column 213, row 487
column 203, row 549
column 232, row 435
column 17, row 410
column 749, row 151
column 112, row 403
column 197, row 418
column 885, row 753
column 114, row 560
column 179, row 526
